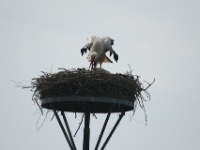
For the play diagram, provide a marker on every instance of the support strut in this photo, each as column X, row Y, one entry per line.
column 68, row 129
column 86, row 136
column 111, row 133
column 104, row 126
column 63, row 129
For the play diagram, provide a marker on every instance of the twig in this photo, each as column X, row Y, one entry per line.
column 149, row 84
column 42, row 121
column 62, row 69
column 94, row 115
column 52, row 116
column 35, row 99
column 18, row 84
column 79, row 125
column 75, row 115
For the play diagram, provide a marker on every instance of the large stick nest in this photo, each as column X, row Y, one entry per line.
column 82, row 82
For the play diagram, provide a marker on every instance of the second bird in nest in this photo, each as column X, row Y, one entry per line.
column 98, row 46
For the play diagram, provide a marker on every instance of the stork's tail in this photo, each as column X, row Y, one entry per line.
column 106, row 59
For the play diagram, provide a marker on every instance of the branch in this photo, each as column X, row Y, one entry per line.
column 149, row 84
column 79, row 125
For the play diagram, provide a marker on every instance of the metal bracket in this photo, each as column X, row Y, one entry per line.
column 104, row 126
column 112, row 131
column 86, row 136
column 68, row 138
column 68, row 129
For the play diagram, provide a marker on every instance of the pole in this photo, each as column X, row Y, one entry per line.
column 86, row 136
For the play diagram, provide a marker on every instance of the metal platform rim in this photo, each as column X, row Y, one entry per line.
column 87, row 99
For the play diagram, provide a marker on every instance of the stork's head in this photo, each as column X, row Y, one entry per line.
column 108, row 40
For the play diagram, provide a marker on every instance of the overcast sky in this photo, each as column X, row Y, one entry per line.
column 158, row 39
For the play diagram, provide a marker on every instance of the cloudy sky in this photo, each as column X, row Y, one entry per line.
column 158, row 39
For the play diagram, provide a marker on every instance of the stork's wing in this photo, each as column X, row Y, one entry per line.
column 116, row 57
column 111, row 53
column 83, row 50
column 87, row 47
column 112, row 42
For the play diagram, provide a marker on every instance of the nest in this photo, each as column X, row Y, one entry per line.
column 86, row 83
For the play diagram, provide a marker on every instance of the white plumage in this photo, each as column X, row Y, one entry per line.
column 98, row 48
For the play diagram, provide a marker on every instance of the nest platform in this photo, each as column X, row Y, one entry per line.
column 82, row 90
column 85, row 91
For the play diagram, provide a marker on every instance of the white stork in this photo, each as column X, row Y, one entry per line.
column 108, row 42
column 98, row 48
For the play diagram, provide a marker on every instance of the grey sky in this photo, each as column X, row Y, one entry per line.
column 159, row 39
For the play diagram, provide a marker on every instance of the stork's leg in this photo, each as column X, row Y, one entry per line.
column 92, row 68
column 92, row 65
column 100, row 65
column 95, row 66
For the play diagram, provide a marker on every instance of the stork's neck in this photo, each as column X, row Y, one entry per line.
column 94, row 56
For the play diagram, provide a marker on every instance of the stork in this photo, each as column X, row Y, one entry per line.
column 108, row 42
column 97, row 50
